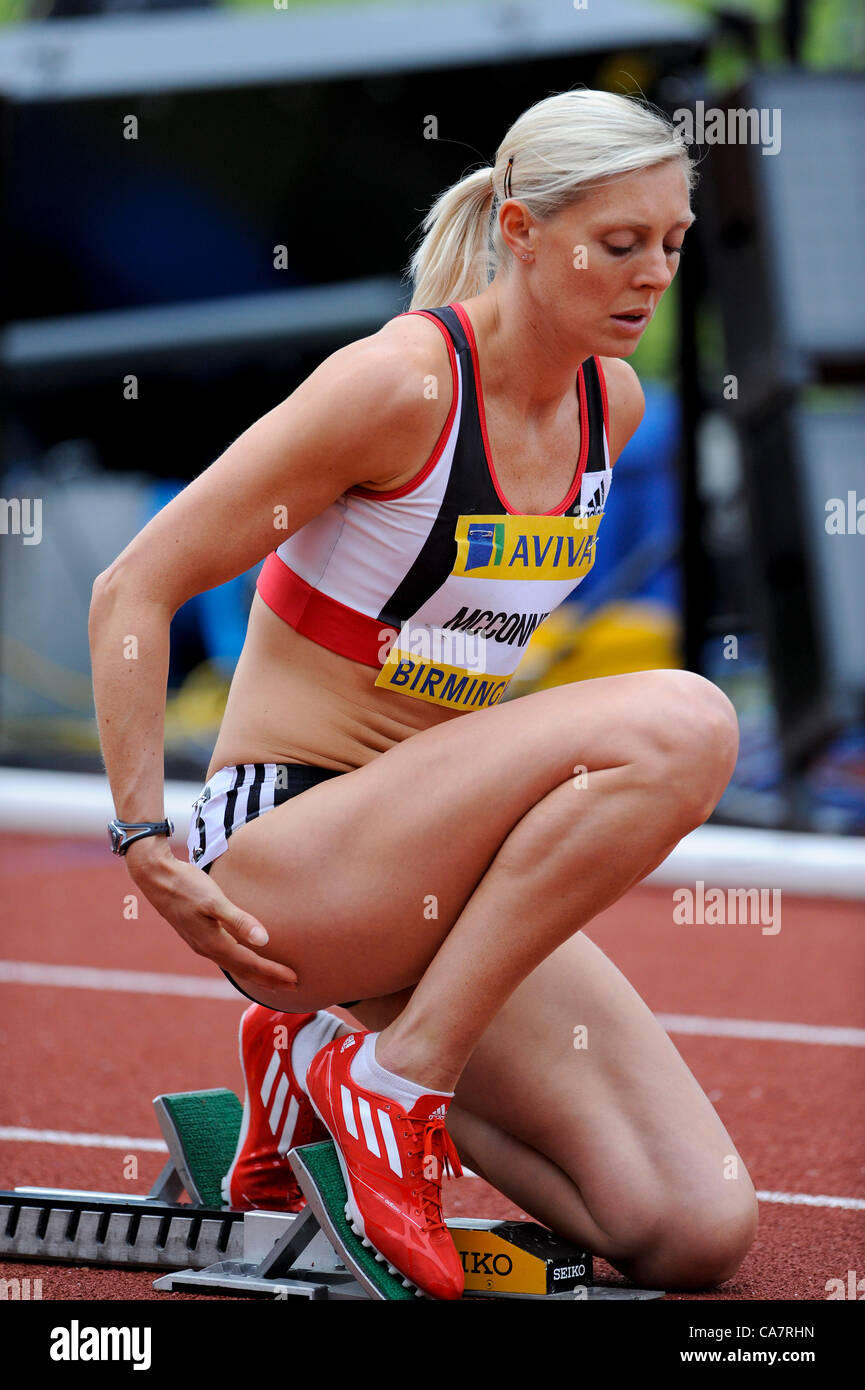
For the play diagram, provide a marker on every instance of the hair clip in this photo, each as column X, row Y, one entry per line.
column 508, row 177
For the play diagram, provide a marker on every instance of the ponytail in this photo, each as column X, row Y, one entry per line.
column 455, row 259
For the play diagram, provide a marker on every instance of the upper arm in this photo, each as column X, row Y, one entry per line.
column 626, row 402
column 359, row 414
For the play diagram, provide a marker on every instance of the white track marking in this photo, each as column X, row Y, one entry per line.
column 13, row 1134
column 22, row 972
column 804, row 1199
column 762, row 1030
column 16, row 972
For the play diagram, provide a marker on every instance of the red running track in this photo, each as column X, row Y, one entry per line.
column 86, row 1060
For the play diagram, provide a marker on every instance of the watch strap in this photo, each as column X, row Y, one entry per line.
column 125, row 833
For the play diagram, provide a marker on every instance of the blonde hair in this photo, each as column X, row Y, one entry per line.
column 562, row 147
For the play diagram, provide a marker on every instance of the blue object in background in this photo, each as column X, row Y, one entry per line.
column 128, row 230
column 643, row 511
column 217, row 618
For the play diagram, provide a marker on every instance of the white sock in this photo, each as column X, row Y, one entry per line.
column 368, row 1072
column 311, row 1038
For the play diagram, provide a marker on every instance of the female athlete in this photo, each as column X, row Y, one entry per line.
column 424, row 499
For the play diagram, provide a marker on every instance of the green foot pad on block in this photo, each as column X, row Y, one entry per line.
column 320, row 1176
column 201, row 1129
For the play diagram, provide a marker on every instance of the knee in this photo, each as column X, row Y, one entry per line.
column 690, row 743
column 698, row 1247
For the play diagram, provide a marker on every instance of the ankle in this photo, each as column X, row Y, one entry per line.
column 415, row 1063
column 321, row 1029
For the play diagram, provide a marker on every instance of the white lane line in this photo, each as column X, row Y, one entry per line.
column 14, row 1134
column 50, row 803
column 804, row 1199
column 762, row 1030
column 22, row 972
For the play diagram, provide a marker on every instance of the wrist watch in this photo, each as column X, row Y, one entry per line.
column 121, row 839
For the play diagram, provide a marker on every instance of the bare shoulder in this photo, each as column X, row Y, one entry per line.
column 415, row 333
column 406, row 367
column 397, row 357
column 625, row 400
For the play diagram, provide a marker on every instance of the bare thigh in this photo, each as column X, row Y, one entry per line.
column 577, row 1068
column 578, row 1107
column 359, row 879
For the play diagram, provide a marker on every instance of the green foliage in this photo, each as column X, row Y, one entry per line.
column 655, row 355
column 834, row 35
column 13, row 11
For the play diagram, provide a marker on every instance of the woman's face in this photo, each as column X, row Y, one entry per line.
column 601, row 265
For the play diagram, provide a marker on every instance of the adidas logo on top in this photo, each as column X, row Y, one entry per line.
column 350, row 1041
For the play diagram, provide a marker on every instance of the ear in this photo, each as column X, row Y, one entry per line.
column 515, row 224
column 626, row 403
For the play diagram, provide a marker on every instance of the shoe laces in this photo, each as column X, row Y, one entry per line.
column 438, row 1154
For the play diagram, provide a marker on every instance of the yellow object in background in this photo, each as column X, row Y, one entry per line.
column 196, row 709
column 640, row 635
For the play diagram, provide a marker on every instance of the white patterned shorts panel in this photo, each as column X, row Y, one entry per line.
column 236, row 795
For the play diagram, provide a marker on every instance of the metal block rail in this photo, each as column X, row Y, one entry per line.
column 313, row 1255
column 65, row 1226
column 109, row 1228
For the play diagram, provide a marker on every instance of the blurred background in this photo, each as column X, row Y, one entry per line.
column 202, row 201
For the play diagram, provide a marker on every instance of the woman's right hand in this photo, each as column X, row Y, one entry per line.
column 200, row 912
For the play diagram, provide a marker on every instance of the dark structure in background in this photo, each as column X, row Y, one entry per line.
column 299, row 129
column 782, row 236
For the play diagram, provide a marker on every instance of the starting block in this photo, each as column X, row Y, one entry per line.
column 204, row 1246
